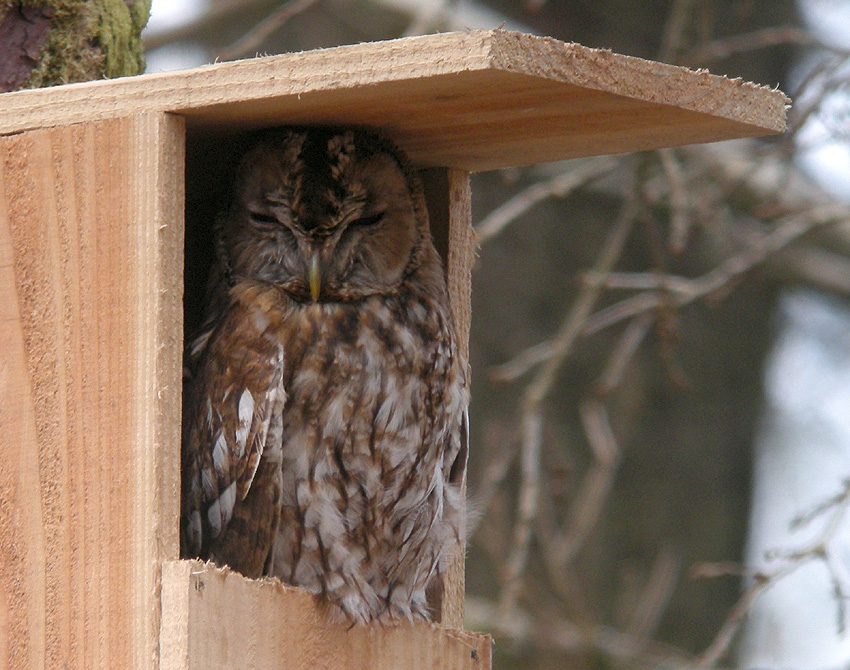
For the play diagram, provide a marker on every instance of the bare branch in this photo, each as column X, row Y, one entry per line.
column 788, row 230
column 825, row 269
column 674, row 36
column 654, row 281
column 248, row 44
column 791, row 561
column 622, row 354
column 532, row 438
column 559, row 186
column 523, row 362
column 720, row 645
column 822, row 508
column 759, row 39
column 532, row 410
column 623, row 310
column 679, row 210
column 593, row 492
column 823, row 80
column 209, row 21
column 656, row 594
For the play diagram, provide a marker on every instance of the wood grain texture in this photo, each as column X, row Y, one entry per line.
column 461, row 257
column 478, row 100
column 214, row 618
column 449, row 198
column 90, row 288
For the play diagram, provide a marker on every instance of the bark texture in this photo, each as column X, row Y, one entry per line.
column 62, row 41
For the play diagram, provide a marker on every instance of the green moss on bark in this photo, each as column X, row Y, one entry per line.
column 88, row 39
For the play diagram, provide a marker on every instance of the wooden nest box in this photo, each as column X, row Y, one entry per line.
column 94, row 183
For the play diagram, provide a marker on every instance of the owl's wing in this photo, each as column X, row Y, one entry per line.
column 235, row 402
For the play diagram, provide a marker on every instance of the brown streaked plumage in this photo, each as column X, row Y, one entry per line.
column 324, row 432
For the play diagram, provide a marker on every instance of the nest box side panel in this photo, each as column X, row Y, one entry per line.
column 449, row 198
column 91, row 245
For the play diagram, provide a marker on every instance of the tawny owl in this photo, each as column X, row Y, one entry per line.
column 324, row 432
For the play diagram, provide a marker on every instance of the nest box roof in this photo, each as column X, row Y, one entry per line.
column 478, row 100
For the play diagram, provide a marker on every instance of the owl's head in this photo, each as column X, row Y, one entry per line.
column 327, row 215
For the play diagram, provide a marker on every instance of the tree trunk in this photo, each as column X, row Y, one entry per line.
column 62, row 41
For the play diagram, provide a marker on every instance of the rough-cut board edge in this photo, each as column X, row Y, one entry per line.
column 215, row 618
column 409, row 86
column 650, row 81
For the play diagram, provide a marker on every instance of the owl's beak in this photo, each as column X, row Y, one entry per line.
column 315, row 276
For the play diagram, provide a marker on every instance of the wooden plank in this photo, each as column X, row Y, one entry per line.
column 91, row 286
column 461, row 258
column 449, row 198
column 477, row 101
column 214, row 618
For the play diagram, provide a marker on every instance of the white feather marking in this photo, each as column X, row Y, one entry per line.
column 261, row 321
column 207, row 482
column 221, row 510
column 221, row 459
column 246, row 417
column 199, row 344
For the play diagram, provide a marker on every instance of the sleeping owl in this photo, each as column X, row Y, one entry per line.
column 324, row 437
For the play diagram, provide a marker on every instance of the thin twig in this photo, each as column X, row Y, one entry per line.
column 639, row 281
column 623, row 310
column 532, row 410
column 559, row 186
column 428, row 17
column 759, row 39
column 720, row 644
column 788, row 230
column 818, row 550
column 805, row 518
column 825, row 269
column 679, row 211
column 563, row 579
column 209, row 21
column 524, row 361
column 656, row 594
column 247, row 44
column 622, row 353
column 674, row 37
column 593, row 492
column 532, row 438
column 830, row 78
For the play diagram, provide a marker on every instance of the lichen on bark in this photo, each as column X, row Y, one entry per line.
column 84, row 40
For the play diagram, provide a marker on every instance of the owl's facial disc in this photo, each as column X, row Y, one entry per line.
column 325, row 217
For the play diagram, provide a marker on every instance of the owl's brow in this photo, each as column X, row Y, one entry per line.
column 288, row 193
column 279, row 197
column 342, row 148
column 348, row 199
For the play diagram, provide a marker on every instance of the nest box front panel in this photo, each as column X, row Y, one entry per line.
column 91, row 283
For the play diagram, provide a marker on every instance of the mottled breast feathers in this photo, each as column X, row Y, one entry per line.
column 324, row 430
